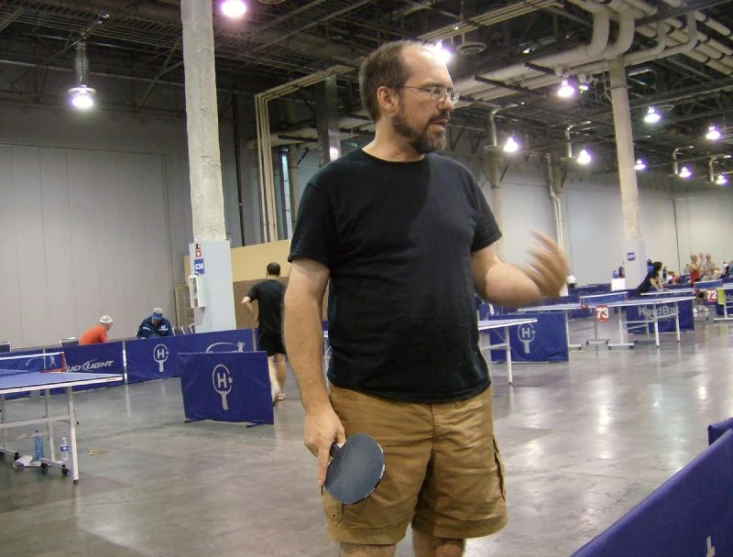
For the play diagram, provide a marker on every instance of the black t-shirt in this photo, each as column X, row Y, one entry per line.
column 646, row 284
column 397, row 238
column 269, row 294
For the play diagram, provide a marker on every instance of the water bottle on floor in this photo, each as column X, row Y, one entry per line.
column 64, row 450
column 37, row 446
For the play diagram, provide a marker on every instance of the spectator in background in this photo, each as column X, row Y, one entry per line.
column 155, row 326
column 652, row 281
column 98, row 333
column 695, row 274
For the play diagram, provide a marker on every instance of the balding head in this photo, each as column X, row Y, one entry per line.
column 388, row 66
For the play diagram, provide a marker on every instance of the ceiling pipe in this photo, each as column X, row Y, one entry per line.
column 597, row 45
column 635, row 58
column 708, row 47
column 493, row 136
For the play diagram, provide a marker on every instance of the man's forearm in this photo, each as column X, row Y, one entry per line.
column 303, row 334
column 507, row 285
column 251, row 309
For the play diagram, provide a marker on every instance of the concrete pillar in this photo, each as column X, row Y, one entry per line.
column 327, row 120
column 210, row 251
column 494, row 167
column 634, row 255
column 495, row 181
column 294, row 183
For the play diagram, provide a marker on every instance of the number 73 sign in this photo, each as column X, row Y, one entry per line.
column 602, row 314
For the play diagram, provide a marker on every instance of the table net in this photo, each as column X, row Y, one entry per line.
column 30, row 363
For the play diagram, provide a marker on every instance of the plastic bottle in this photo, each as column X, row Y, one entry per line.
column 64, row 449
column 37, row 445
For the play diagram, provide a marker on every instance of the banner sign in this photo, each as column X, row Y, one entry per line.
column 544, row 341
column 226, row 387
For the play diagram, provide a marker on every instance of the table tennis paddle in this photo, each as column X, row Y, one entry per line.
column 355, row 470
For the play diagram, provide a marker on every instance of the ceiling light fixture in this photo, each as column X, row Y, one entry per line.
column 685, row 173
column 444, row 55
column 713, row 134
column 81, row 95
column 652, row 116
column 511, row 145
column 233, row 8
column 566, row 90
column 640, row 165
column 584, row 157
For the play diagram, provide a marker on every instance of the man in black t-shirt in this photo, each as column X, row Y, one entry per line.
column 268, row 317
column 403, row 238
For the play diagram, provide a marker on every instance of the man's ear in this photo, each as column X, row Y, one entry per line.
column 388, row 99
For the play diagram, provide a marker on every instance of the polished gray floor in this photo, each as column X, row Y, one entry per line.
column 583, row 442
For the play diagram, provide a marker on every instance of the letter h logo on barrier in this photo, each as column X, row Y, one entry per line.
column 526, row 335
column 160, row 355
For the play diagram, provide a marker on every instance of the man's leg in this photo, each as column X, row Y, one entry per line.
column 274, row 385
column 429, row 546
column 282, row 372
column 463, row 495
column 353, row 550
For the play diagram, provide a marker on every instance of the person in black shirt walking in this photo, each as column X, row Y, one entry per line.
column 268, row 317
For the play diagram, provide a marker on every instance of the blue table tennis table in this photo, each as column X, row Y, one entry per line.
column 28, row 382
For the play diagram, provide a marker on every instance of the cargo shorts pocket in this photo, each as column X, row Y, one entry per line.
column 500, row 469
column 333, row 509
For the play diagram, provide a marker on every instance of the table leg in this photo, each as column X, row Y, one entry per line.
column 677, row 320
column 656, row 326
column 72, row 434
column 49, row 426
column 507, row 341
column 571, row 346
column 4, row 447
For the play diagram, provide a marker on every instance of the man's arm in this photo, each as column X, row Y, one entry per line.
column 303, row 331
column 141, row 331
column 303, row 335
column 247, row 303
column 504, row 284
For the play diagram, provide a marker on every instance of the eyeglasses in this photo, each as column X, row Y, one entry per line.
column 437, row 93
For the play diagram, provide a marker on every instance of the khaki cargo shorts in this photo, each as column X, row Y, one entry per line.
column 443, row 470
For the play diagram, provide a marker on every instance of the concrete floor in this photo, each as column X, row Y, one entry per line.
column 583, row 443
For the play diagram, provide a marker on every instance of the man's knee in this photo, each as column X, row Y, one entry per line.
column 356, row 550
column 426, row 545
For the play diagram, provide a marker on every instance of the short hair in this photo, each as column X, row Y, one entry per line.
column 273, row 269
column 106, row 320
column 383, row 68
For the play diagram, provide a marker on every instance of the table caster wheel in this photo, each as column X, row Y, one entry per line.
column 76, row 482
column 17, row 456
column 64, row 472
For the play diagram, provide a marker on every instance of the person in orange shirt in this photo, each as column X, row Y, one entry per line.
column 98, row 333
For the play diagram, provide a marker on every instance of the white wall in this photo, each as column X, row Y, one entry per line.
column 95, row 209
column 84, row 233
column 705, row 224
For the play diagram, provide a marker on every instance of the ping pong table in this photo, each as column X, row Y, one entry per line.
column 506, row 324
column 28, row 382
column 551, row 308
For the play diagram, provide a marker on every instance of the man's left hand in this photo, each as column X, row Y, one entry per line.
column 548, row 268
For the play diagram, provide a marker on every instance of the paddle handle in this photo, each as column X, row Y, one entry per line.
column 334, row 449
